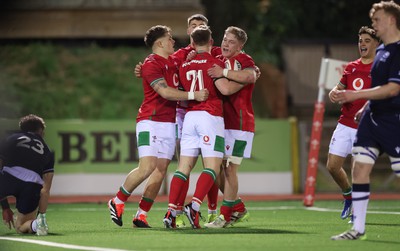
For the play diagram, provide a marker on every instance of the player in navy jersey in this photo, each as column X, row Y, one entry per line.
column 27, row 168
column 356, row 76
column 378, row 131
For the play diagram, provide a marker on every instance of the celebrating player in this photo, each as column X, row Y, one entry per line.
column 203, row 128
column 239, row 122
column 155, row 128
column 356, row 76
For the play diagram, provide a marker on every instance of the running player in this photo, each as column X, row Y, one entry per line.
column 356, row 76
column 26, row 172
column 378, row 130
column 155, row 128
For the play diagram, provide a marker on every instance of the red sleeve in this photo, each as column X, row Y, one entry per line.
column 151, row 72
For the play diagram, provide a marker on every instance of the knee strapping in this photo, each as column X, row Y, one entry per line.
column 233, row 160
column 365, row 154
column 395, row 164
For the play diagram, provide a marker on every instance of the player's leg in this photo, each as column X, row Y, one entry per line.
column 117, row 204
column 206, row 179
column 150, row 193
column 27, row 202
column 339, row 148
column 335, row 168
column 177, row 187
column 26, row 223
column 147, row 149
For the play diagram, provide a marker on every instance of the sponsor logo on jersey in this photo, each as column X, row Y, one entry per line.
column 358, row 84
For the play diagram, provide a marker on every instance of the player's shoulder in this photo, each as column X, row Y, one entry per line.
column 244, row 57
column 354, row 63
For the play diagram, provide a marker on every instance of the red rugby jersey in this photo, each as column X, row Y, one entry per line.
column 154, row 107
column 356, row 76
column 238, row 107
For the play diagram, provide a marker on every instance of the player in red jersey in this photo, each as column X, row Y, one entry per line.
column 356, row 76
column 239, row 122
column 203, row 128
column 155, row 128
column 179, row 57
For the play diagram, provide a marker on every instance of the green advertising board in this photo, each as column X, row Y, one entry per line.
column 108, row 146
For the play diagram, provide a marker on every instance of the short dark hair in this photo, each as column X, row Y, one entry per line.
column 369, row 31
column 198, row 17
column 155, row 33
column 201, row 35
column 31, row 123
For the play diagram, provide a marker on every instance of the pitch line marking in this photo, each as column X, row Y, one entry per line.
column 60, row 245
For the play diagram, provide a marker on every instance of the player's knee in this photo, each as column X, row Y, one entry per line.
column 395, row 164
column 365, row 154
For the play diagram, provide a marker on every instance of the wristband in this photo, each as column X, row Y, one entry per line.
column 190, row 95
column 225, row 72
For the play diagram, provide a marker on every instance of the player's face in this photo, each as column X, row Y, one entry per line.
column 230, row 45
column 367, row 46
column 167, row 43
column 193, row 24
column 380, row 22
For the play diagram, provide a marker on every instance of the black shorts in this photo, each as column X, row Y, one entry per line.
column 27, row 194
column 381, row 132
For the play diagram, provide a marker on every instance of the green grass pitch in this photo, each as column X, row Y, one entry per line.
column 273, row 225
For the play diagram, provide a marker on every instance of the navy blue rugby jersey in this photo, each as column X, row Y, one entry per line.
column 27, row 150
column 385, row 69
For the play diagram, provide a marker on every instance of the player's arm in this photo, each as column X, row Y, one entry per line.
column 45, row 192
column 227, row 87
column 339, row 86
column 161, row 87
column 245, row 76
column 388, row 90
column 8, row 215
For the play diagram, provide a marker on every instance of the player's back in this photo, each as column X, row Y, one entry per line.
column 193, row 77
column 27, row 150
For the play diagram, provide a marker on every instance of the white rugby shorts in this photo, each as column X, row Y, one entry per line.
column 238, row 143
column 155, row 139
column 342, row 140
column 202, row 132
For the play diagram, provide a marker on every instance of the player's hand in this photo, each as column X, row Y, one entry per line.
column 358, row 115
column 138, row 70
column 8, row 218
column 201, row 95
column 215, row 71
column 191, row 55
column 344, row 96
column 258, row 72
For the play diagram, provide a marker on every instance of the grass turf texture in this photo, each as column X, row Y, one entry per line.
column 276, row 225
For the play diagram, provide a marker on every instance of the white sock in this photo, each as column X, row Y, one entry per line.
column 360, row 205
column 140, row 211
column 34, row 226
column 118, row 201
column 196, row 206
